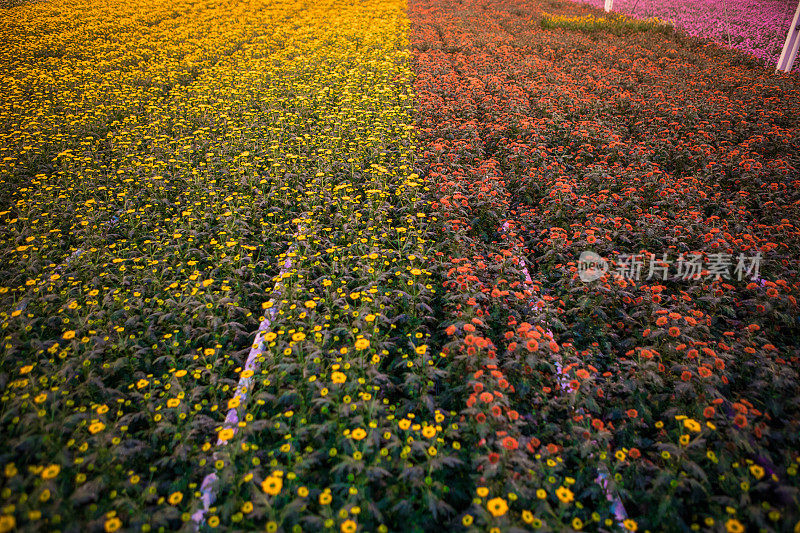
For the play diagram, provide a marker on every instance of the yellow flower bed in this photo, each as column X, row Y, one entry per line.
column 613, row 22
column 164, row 184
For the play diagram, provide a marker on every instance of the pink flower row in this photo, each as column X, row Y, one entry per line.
column 757, row 27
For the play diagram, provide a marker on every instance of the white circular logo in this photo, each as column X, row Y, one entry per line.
column 591, row 266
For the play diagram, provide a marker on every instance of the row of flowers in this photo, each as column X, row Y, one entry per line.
column 674, row 395
column 275, row 181
column 431, row 356
column 757, row 28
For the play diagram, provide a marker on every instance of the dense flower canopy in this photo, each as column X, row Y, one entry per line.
column 295, row 265
column 756, row 27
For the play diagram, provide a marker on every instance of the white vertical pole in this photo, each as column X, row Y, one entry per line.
column 792, row 42
column 609, row 5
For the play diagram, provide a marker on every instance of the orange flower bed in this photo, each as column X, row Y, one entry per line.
column 671, row 379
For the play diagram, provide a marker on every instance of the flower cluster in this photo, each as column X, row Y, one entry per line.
column 315, row 266
column 614, row 23
column 756, row 27
column 672, row 399
column 199, row 166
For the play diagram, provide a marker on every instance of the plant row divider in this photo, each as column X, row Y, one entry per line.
column 602, row 475
column 208, row 487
